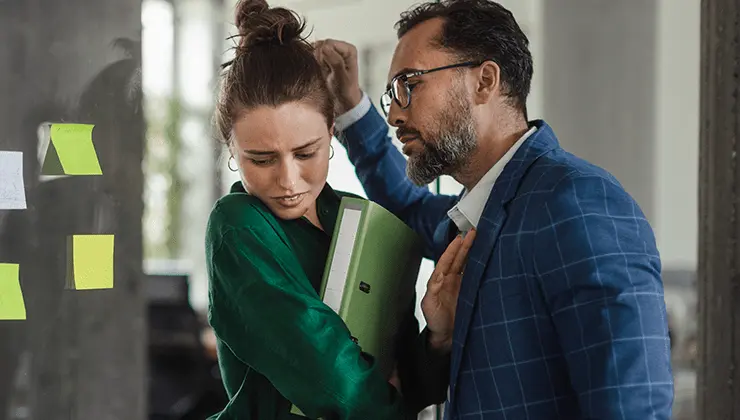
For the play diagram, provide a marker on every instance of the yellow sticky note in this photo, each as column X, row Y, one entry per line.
column 90, row 262
column 73, row 148
column 12, row 306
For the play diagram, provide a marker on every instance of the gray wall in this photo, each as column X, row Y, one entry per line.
column 599, row 75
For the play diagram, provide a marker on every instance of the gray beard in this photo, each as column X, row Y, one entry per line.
column 449, row 151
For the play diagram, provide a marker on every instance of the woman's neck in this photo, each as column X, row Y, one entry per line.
column 313, row 216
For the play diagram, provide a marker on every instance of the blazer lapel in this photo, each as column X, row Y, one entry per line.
column 489, row 228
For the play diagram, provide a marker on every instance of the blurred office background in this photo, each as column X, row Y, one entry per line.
column 617, row 80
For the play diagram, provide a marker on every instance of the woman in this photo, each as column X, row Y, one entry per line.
column 268, row 240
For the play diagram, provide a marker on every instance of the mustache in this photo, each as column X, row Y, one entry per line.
column 403, row 131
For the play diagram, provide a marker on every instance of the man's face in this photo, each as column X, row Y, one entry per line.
column 437, row 129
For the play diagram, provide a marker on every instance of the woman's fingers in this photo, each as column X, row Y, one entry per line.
column 435, row 285
column 448, row 257
column 462, row 253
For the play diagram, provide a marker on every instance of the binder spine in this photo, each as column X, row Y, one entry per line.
column 356, row 259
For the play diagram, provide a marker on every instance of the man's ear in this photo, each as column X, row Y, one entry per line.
column 331, row 130
column 488, row 82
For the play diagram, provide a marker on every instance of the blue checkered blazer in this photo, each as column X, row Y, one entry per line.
column 561, row 312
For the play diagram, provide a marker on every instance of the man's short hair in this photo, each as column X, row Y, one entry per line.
column 477, row 30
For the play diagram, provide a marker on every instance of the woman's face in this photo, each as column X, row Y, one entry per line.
column 283, row 156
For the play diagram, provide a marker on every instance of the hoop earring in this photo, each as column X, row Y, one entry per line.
column 229, row 164
column 331, row 149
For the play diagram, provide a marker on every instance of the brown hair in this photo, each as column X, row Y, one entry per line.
column 273, row 65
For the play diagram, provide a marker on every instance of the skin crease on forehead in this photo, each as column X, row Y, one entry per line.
column 283, row 157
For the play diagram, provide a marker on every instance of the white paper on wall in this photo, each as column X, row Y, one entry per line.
column 12, row 190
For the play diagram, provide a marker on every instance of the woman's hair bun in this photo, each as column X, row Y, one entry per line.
column 258, row 23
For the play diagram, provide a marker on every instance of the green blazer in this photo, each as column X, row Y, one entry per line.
column 278, row 343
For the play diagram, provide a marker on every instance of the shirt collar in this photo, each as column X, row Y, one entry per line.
column 467, row 212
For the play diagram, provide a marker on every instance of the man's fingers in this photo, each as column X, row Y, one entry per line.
column 332, row 57
column 319, row 51
column 434, row 285
column 452, row 284
column 326, row 64
column 462, row 253
column 345, row 49
column 349, row 58
column 319, row 54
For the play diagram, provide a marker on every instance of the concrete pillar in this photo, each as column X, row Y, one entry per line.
column 718, row 385
column 598, row 74
column 79, row 354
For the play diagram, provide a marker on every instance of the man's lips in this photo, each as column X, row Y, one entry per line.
column 408, row 145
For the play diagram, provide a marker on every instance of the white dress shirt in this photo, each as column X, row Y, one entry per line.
column 353, row 115
column 467, row 212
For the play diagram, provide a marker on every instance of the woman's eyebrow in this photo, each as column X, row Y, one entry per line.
column 272, row 152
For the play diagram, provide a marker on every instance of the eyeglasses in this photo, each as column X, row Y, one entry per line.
column 400, row 90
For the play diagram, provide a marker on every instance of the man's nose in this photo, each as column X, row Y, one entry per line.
column 396, row 115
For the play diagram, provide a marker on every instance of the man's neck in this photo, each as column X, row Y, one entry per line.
column 491, row 148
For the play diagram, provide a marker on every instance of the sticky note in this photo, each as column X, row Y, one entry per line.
column 90, row 262
column 71, row 151
column 12, row 306
column 12, row 190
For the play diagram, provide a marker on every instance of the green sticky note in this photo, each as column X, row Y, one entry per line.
column 71, row 151
column 90, row 262
column 12, row 306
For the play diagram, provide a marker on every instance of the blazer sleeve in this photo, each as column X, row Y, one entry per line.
column 264, row 309
column 381, row 169
column 598, row 265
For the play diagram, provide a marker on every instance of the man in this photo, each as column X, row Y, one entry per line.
column 560, row 313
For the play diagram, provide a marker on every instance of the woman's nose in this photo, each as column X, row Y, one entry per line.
column 288, row 177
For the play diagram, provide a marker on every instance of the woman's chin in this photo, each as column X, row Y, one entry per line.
column 289, row 213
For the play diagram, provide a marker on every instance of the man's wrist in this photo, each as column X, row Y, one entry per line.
column 344, row 121
column 351, row 101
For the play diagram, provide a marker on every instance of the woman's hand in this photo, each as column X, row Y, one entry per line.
column 440, row 300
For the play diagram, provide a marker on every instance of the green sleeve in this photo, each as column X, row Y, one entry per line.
column 265, row 310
